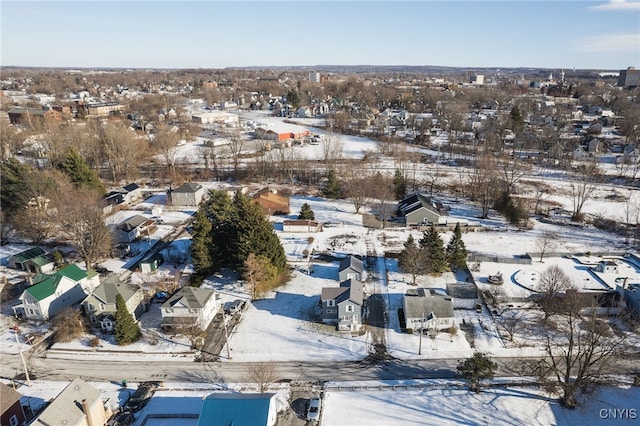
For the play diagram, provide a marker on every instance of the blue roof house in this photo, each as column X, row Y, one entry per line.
column 238, row 409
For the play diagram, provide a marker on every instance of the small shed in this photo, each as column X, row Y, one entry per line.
column 151, row 263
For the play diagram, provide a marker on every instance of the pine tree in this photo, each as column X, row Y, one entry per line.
column 219, row 210
column 201, row 243
column 13, row 177
column 306, row 213
column 412, row 259
column 332, row 189
column 127, row 330
column 400, row 185
column 79, row 171
column 436, row 256
column 477, row 368
column 253, row 233
column 456, row 250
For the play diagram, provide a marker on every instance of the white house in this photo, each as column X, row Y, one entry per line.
column 427, row 310
column 52, row 293
column 190, row 306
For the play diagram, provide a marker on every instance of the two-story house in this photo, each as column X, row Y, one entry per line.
column 188, row 194
column 190, row 306
column 343, row 305
column 100, row 305
column 51, row 293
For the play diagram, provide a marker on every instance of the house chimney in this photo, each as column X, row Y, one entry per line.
column 85, row 410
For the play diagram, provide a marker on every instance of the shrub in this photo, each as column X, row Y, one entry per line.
column 94, row 342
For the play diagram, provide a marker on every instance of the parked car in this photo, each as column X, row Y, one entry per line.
column 141, row 396
column 234, row 307
column 313, row 411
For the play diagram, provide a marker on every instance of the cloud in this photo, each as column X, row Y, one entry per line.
column 611, row 43
column 616, row 5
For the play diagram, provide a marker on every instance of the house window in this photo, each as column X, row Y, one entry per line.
column 91, row 307
column 331, row 311
column 13, row 421
column 331, row 303
column 102, row 306
column 355, row 318
column 349, row 308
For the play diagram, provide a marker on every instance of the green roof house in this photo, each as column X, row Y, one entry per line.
column 34, row 260
column 51, row 293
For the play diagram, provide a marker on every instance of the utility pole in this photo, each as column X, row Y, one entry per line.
column 24, row 363
column 421, row 327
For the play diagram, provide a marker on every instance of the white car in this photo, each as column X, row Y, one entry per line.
column 313, row 411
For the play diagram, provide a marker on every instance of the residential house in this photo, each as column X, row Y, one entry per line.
column 34, row 260
column 418, row 209
column 188, row 194
column 134, row 227
column 131, row 192
column 343, row 305
column 100, row 305
column 580, row 153
column 79, row 404
column 238, row 409
column 426, row 309
column 112, row 200
column 631, row 293
column 630, row 155
column 301, row 226
column 350, row 268
column 190, row 306
column 463, row 295
column 272, row 203
column 11, row 411
column 51, row 293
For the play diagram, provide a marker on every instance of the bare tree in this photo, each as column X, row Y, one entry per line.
column 67, row 325
column 165, row 141
column 579, row 352
column 82, row 222
column 583, row 186
column 482, row 183
column 331, row 145
column 510, row 171
column 383, row 192
column 553, row 287
column 546, row 241
column 121, row 149
column 357, row 180
column 235, row 143
column 262, row 374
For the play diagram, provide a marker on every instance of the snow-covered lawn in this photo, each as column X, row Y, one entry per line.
column 454, row 406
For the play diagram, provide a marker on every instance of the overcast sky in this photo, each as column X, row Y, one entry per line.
column 218, row 34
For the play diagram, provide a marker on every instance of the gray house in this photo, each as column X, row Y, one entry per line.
column 343, row 305
column 426, row 309
column 100, row 305
column 350, row 268
column 188, row 194
column 418, row 209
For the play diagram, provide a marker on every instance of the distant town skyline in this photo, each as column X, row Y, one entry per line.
column 219, row 34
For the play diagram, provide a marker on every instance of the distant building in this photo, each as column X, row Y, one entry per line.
column 629, row 77
column 20, row 115
column 101, row 109
column 271, row 202
column 314, row 77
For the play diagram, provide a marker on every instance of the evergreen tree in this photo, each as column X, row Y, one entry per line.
column 332, row 190
column 400, row 185
column 412, row 259
column 477, row 368
column 306, row 213
column 253, row 233
column 13, row 177
column 79, row 171
column 219, row 210
column 127, row 330
column 434, row 246
column 201, row 243
column 456, row 250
